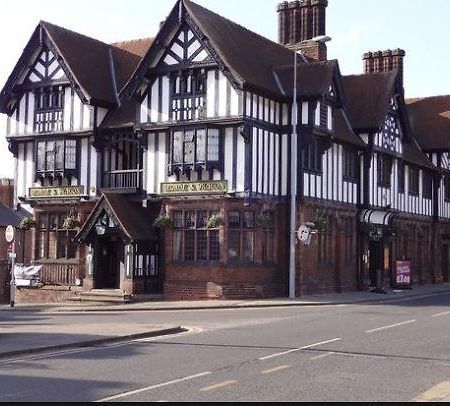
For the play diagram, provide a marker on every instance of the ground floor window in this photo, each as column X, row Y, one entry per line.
column 195, row 236
column 241, row 236
column 53, row 241
column 268, row 238
column 325, row 242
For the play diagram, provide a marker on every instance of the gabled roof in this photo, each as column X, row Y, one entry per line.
column 413, row 154
column 313, row 79
column 430, row 121
column 133, row 221
column 368, row 98
column 97, row 71
column 249, row 57
column 343, row 130
column 9, row 216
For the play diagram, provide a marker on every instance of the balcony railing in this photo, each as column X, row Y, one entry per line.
column 60, row 274
column 126, row 180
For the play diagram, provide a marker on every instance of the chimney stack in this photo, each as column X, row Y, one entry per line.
column 300, row 23
column 385, row 61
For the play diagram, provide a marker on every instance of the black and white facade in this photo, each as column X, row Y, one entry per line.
column 168, row 169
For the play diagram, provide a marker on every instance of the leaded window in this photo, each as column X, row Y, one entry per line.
column 195, row 149
column 49, row 106
column 413, row 181
column 427, row 185
column 188, row 95
column 350, row 165
column 312, row 157
column 56, row 157
column 241, row 236
column 193, row 240
column 384, row 170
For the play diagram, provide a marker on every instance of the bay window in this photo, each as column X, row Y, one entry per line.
column 56, row 157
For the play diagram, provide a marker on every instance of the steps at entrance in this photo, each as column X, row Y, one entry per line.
column 102, row 296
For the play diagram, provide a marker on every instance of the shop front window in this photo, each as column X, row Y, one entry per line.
column 241, row 236
column 193, row 240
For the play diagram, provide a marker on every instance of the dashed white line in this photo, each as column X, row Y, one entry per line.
column 306, row 347
column 148, row 388
column 390, row 326
column 441, row 314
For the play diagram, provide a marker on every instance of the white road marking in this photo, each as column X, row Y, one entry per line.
column 441, row 314
column 276, row 369
column 321, row 356
column 390, row 326
column 148, row 388
column 299, row 349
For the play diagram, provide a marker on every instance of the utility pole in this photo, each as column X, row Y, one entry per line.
column 293, row 222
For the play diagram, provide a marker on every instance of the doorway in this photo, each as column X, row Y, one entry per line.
column 445, row 263
column 375, row 261
column 109, row 256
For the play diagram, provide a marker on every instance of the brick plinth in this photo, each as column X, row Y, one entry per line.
column 47, row 294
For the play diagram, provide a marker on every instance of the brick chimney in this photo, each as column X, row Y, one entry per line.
column 302, row 27
column 385, row 61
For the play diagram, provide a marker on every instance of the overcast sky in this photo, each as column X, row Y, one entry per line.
column 420, row 27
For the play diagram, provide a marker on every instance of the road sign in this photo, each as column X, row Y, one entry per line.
column 9, row 234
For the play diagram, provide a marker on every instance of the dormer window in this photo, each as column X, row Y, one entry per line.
column 49, row 105
column 188, row 95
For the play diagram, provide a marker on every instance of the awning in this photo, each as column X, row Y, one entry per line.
column 130, row 219
column 380, row 217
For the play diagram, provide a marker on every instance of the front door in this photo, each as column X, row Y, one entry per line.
column 107, row 272
column 375, row 259
column 445, row 263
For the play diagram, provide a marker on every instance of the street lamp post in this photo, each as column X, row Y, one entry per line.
column 293, row 222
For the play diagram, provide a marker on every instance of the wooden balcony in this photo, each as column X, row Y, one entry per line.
column 125, row 181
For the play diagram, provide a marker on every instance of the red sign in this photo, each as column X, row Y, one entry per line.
column 403, row 273
column 9, row 234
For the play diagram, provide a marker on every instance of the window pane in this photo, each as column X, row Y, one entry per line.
column 40, row 161
column 178, row 219
column 249, row 238
column 52, row 245
column 71, row 154
column 249, row 219
column 213, row 145
column 234, row 219
column 177, row 235
column 201, row 145
column 71, row 246
column 189, row 246
column 50, row 156
column 202, row 246
column 41, row 245
column 62, row 244
column 190, row 219
column 202, row 218
column 214, row 246
column 189, row 147
column 53, row 222
column 59, row 155
column 234, row 245
column 178, row 147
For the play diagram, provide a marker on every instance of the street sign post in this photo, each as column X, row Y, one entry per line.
column 9, row 236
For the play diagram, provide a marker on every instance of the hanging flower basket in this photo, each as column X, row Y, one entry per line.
column 163, row 222
column 71, row 223
column 27, row 223
column 264, row 222
column 320, row 223
column 214, row 222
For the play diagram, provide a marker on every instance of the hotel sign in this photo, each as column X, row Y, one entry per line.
column 54, row 192
column 195, row 188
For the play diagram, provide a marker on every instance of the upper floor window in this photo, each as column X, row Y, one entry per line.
column 188, row 95
column 350, row 165
column 49, row 105
column 312, row 157
column 413, row 181
column 384, row 170
column 56, row 157
column 427, row 185
column 195, row 149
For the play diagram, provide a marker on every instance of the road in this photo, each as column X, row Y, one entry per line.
column 375, row 352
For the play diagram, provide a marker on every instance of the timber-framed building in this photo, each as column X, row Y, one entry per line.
column 162, row 165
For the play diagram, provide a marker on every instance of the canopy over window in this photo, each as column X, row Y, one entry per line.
column 379, row 217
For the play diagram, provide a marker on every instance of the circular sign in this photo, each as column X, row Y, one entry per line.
column 303, row 233
column 9, row 234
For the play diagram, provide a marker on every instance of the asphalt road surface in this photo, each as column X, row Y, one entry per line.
column 376, row 352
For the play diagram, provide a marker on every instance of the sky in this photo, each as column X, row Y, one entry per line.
column 420, row 27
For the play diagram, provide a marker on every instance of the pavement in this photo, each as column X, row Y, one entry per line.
column 20, row 337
